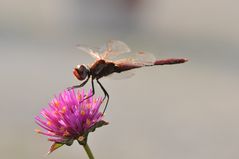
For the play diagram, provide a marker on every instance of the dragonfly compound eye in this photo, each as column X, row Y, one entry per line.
column 81, row 72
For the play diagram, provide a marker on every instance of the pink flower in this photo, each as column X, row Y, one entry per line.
column 68, row 117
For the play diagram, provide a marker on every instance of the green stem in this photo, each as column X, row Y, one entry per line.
column 88, row 151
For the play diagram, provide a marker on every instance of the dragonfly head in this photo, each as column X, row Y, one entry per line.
column 81, row 72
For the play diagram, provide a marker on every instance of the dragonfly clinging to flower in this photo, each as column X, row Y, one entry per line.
column 105, row 66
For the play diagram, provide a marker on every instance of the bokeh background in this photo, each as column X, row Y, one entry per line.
column 188, row 111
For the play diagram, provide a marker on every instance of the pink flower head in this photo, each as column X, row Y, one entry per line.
column 68, row 117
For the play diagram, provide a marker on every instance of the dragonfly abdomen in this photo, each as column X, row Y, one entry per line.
column 125, row 67
column 170, row 61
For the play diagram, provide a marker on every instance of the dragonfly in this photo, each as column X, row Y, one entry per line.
column 105, row 64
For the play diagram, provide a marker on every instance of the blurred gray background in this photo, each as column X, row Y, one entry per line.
column 188, row 111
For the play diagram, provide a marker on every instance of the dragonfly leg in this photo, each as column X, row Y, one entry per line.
column 106, row 95
column 81, row 85
column 93, row 91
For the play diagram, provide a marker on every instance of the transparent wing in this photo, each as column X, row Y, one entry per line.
column 144, row 58
column 122, row 75
column 93, row 52
column 113, row 48
column 138, row 59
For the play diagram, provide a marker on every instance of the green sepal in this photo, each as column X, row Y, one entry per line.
column 69, row 142
column 55, row 146
column 91, row 129
column 97, row 125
